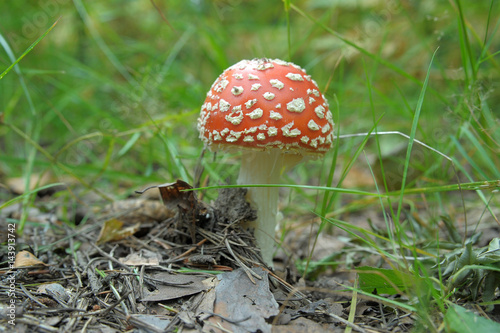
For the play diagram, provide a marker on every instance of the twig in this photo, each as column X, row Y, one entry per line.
column 104, row 312
column 219, row 327
column 188, row 251
column 33, row 321
column 116, row 261
column 247, row 270
column 287, row 286
column 142, row 324
column 232, row 321
column 56, row 310
column 345, row 322
column 30, row 296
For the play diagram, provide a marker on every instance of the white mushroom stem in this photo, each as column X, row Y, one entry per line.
column 265, row 167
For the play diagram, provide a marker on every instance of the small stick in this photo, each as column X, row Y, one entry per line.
column 189, row 251
column 232, row 321
column 247, row 270
column 287, row 285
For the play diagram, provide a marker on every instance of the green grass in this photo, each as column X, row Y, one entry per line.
column 106, row 94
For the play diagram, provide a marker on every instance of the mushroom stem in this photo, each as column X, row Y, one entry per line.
column 265, row 167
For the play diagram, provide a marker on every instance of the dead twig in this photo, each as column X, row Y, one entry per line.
column 180, row 256
column 232, row 321
column 247, row 270
column 292, row 290
column 345, row 322
column 111, row 258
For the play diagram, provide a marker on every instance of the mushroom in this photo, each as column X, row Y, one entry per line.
column 275, row 114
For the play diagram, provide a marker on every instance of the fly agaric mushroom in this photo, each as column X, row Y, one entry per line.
column 274, row 113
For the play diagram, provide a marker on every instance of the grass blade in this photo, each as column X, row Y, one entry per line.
column 27, row 194
column 28, row 50
column 413, row 132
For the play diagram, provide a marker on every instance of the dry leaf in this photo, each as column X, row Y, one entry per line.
column 208, row 300
column 56, row 290
column 245, row 304
column 160, row 323
column 142, row 258
column 112, row 231
column 177, row 197
column 27, row 259
column 138, row 211
column 172, row 286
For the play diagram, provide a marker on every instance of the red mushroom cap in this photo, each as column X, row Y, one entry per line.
column 262, row 104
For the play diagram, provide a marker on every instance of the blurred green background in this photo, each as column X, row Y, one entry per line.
column 112, row 93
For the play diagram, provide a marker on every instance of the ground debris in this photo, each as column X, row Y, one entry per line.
column 241, row 306
column 143, row 257
column 137, row 210
column 232, row 206
column 145, row 323
column 171, row 286
column 216, row 232
column 302, row 324
column 193, row 269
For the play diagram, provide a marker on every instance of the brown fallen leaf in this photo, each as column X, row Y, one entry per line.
column 171, row 286
column 132, row 211
column 112, row 231
column 177, row 196
column 142, row 258
column 27, row 259
column 242, row 306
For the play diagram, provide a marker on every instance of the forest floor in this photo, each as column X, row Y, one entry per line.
column 177, row 265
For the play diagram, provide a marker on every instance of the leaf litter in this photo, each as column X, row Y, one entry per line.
column 182, row 265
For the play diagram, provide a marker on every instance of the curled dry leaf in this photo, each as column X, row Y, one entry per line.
column 179, row 197
column 176, row 194
column 112, row 231
column 27, row 259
